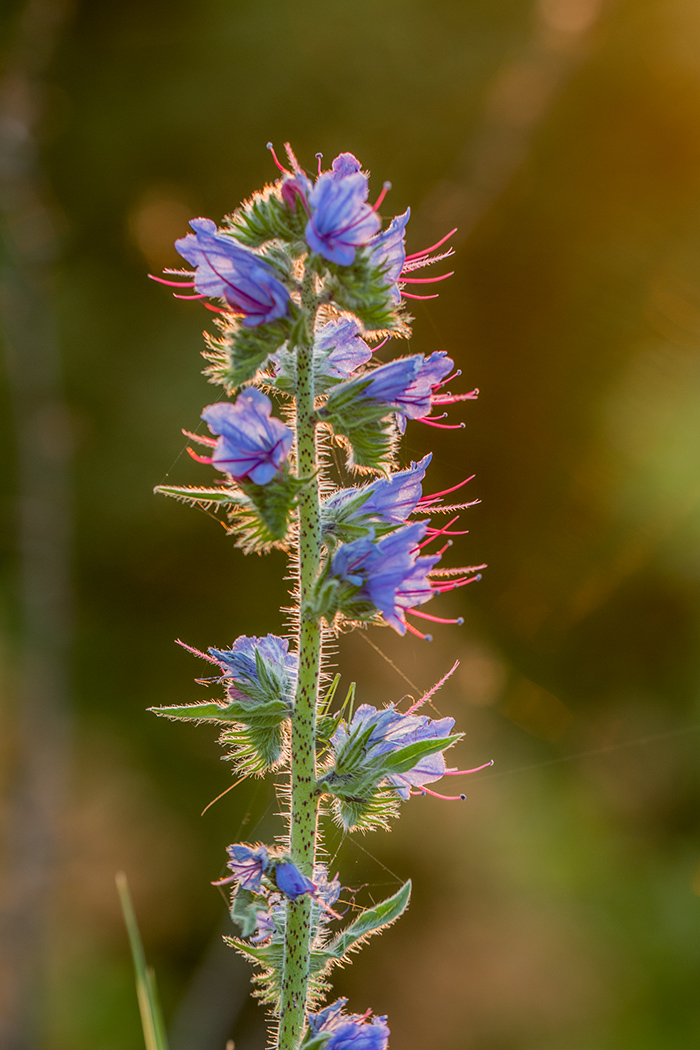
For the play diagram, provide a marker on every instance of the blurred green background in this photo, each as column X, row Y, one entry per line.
column 558, row 908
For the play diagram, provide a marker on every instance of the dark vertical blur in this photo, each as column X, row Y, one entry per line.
column 36, row 708
column 557, row 907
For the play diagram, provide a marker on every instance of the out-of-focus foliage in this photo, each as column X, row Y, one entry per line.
column 557, row 907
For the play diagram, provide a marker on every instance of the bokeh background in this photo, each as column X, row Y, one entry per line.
column 559, row 907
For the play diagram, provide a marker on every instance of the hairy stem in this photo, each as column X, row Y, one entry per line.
column 304, row 801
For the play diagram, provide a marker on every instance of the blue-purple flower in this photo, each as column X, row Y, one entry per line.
column 388, row 500
column 248, row 864
column 341, row 348
column 252, row 444
column 341, row 220
column 392, row 730
column 243, row 663
column 389, row 573
column 387, row 250
column 349, row 1031
column 407, row 383
column 225, row 270
column 291, row 881
column 264, row 929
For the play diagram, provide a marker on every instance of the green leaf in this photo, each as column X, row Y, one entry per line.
column 371, row 921
column 405, row 758
column 152, row 1023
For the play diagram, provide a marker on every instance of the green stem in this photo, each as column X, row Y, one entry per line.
column 304, row 800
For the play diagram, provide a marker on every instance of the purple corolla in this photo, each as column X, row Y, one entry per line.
column 387, row 250
column 390, row 500
column 252, row 444
column 389, row 573
column 349, row 1031
column 407, row 383
column 225, row 270
column 341, row 221
column 391, row 730
column 291, row 881
column 248, row 864
column 343, row 348
column 240, row 666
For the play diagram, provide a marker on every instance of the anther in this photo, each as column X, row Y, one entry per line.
column 385, row 189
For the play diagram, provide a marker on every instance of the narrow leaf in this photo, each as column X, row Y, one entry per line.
column 371, row 921
column 151, row 1017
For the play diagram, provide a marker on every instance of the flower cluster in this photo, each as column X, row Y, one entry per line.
column 308, row 285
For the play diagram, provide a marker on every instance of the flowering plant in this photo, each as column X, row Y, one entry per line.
column 307, row 286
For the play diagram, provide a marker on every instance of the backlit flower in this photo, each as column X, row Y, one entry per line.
column 225, row 270
column 341, row 220
column 252, row 443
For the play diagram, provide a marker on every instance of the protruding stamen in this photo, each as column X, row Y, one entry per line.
column 319, row 158
column 459, row 620
column 385, row 189
column 172, row 284
column 418, row 634
column 464, row 772
column 426, row 280
column 443, row 426
column 216, row 309
column 436, row 794
column 407, row 295
column 445, row 492
column 438, row 386
column 225, row 882
column 274, row 157
column 442, row 588
column 201, row 295
column 438, row 244
column 449, row 399
column 438, row 532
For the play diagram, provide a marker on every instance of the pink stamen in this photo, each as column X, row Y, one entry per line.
column 464, row 772
column 274, row 157
column 385, row 189
column 449, row 399
column 216, row 309
column 201, row 295
column 455, row 532
column 443, row 588
column 201, row 438
column 407, row 295
column 319, row 158
column 436, row 794
column 459, row 620
column 224, row 882
column 438, row 386
column 172, row 284
column 437, row 532
column 426, row 280
column 438, row 244
column 200, row 459
column 442, row 426
column 445, row 492
column 417, row 633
